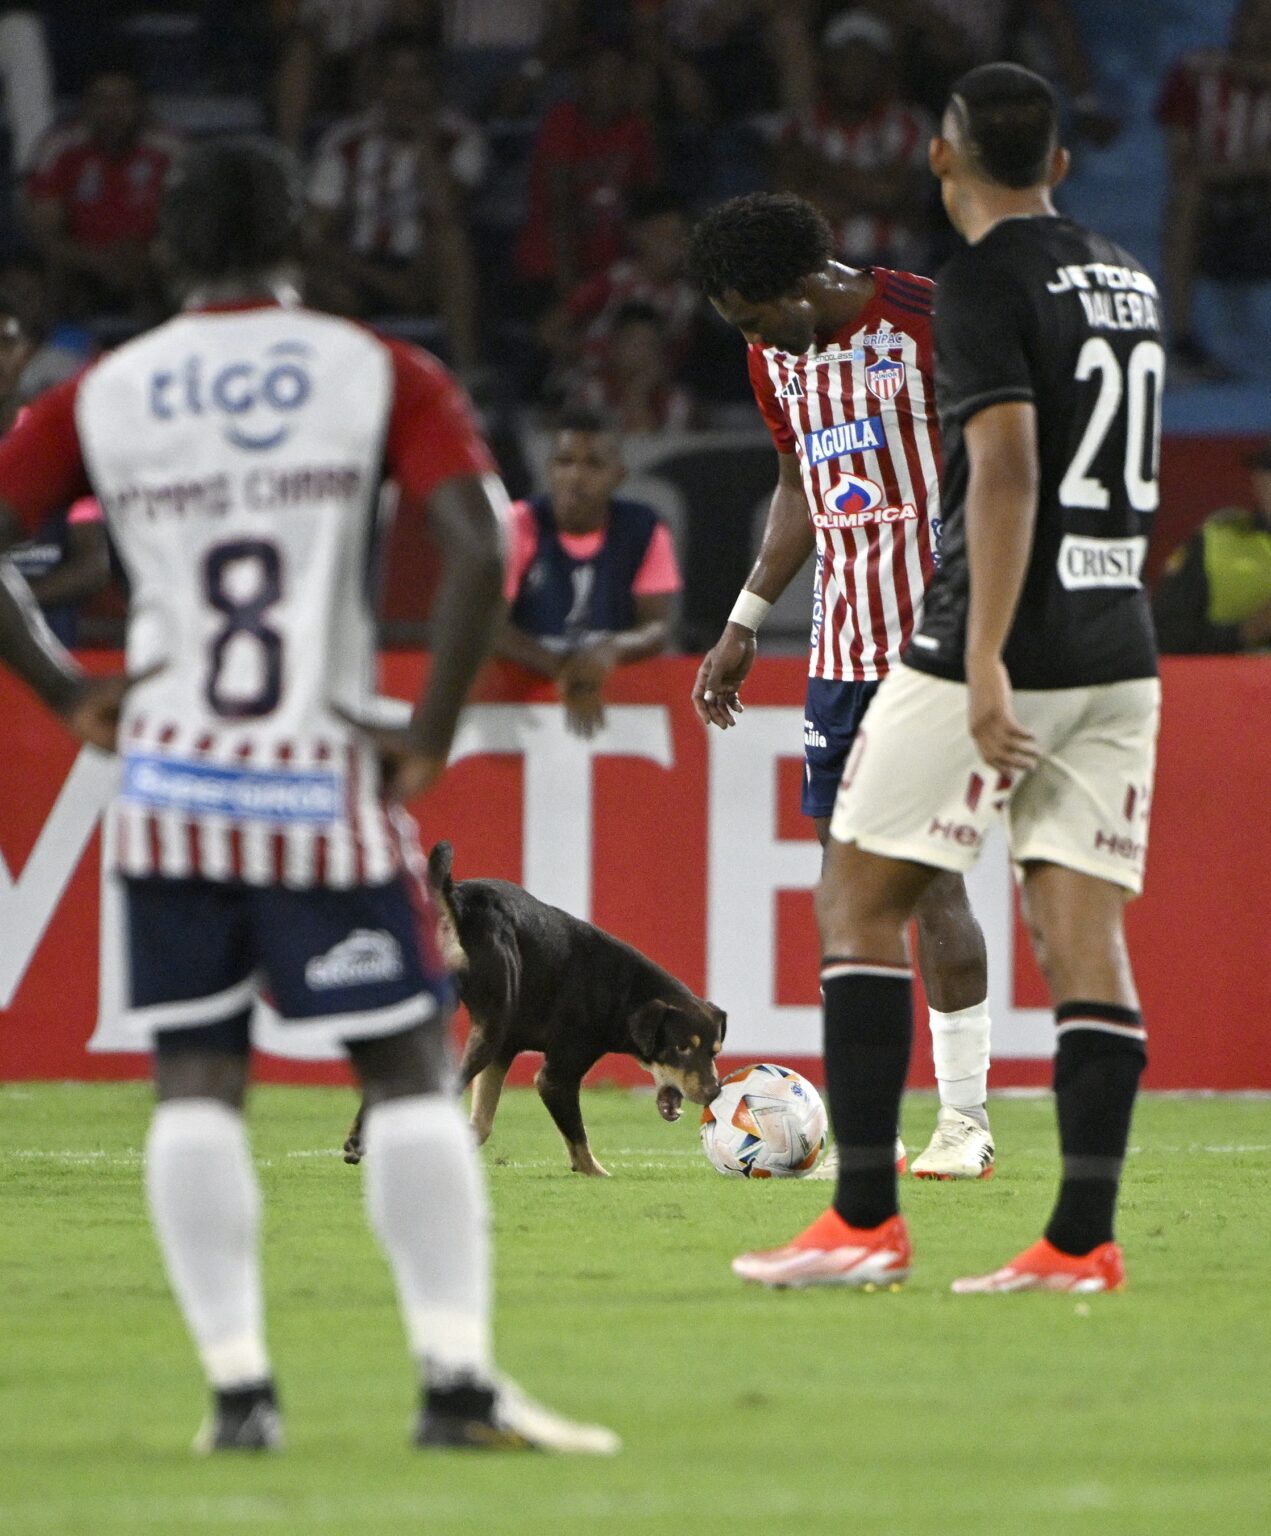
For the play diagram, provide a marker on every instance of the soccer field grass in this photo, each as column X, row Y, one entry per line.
column 914, row 1413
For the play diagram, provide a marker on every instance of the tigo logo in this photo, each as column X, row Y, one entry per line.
column 253, row 400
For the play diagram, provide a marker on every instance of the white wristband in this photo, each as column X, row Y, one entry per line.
column 750, row 610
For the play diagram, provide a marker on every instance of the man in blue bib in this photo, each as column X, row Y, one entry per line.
column 592, row 577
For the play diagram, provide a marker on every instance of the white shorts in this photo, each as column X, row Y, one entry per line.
column 916, row 787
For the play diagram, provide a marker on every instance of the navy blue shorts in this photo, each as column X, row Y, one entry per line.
column 361, row 962
column 832, row 715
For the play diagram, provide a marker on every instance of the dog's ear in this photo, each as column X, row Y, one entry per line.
column 440, row 862
column 645, row 1026
column 721, row 1018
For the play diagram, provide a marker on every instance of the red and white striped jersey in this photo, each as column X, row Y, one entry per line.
column 239, row 456
column 859, row 411
column 892, row 139
column 1222, row 104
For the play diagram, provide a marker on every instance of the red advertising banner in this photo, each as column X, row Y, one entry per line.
column 690, row 845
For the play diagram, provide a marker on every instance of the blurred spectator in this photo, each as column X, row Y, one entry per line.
column 1215, row 595
column 61, row 347
column 590, row 155
column 591, row 578
column 388, row 229
column 67, row 560
column 1216, row 108
column 28, row 80
column 634, row 379
column 860, row 152
column 652, row 274
column 92, row 200
column 941, row 39
column 752, row 56
column 323, row 59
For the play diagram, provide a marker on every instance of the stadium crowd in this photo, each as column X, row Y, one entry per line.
column 513, row 185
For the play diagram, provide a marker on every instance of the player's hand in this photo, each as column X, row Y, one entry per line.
column 406, row 771
column 1003, row 742
column 584, row 711
column 93, row 713
column 723, row 670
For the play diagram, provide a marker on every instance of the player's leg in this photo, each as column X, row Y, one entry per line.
column 363, row 960
column 1078, row 829
column 832, row 715
column 191, row 991
column 898, row 821
column 205, row 1206
column 864, row 904
column 1077, row 923
column 954, row 967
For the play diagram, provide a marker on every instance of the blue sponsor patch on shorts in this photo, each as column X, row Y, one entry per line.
column 241, row 794
column 844, row 437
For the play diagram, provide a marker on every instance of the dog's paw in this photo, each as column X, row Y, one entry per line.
column 353, row 1151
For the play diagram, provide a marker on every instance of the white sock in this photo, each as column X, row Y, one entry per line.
column 205, row 1205
column 425, row 1197
column 960, row 1049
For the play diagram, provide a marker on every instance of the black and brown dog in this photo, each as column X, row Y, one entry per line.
column 535, row 979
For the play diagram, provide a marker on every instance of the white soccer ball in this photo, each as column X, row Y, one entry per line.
column 767, row 1123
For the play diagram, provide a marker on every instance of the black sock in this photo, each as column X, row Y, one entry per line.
column 1102, row 1051
column 868, row 1030
column 463, row 1397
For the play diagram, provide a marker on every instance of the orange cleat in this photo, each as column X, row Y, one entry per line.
column 1044, row 1268
column 830, row 1252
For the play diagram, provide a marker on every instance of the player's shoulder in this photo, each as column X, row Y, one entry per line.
column 912, row 292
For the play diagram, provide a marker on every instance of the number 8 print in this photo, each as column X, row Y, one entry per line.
column 245, row 618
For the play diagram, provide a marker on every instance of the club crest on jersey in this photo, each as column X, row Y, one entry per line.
column 885, row 378
column 842, row 438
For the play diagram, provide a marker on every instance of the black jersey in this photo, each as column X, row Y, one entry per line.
column 1041, row 309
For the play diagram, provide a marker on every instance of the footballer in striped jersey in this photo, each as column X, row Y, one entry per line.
column 842, row 368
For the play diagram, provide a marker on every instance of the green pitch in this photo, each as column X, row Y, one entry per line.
column 903, row 1414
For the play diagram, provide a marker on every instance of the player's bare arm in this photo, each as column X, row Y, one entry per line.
column 787, row 542
column 1001, row 510
column 466, row 526
column 28, row 648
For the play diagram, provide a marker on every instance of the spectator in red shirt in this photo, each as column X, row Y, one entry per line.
column 635, row 381
column 860, row 153
column 1216, row 109
column 652, row 273
column 387, row 229
column 92, row 199
column 591, row 153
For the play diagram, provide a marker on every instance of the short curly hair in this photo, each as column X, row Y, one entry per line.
column 758, row 246
column 232, row 207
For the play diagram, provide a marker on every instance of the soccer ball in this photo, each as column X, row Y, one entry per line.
column 767, row 1123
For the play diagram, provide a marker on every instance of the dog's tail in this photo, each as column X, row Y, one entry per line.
column 442, row 886
column 440, row 863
